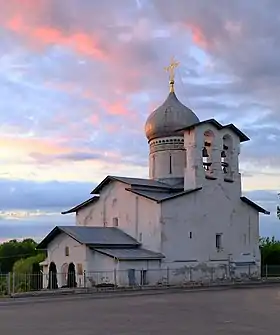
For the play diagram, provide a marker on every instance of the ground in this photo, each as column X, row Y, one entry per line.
column 224, row 312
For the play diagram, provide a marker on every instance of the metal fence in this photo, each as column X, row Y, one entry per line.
column 18, row 282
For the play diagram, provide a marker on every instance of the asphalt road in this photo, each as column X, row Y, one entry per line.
column 228, row 312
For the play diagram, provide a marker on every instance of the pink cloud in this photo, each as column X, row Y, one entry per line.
column 80, row 42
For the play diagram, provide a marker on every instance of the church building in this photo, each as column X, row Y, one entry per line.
column 189, row 213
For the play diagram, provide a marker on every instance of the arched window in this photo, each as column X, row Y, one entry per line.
column 207, row 150
column 226, row 156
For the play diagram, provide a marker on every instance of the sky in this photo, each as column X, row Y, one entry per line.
column 79, row 78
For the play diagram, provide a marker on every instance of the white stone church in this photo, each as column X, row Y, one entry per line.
column 190, row 213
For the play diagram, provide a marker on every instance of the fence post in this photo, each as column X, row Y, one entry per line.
column 9, row 283
column 115, row 277
column 212, row 273
column 84, row 278
column 13, row 282
column 167, row 275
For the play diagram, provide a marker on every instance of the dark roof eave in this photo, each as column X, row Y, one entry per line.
column 172, row 196
column 254, row 205
column 155, row 258
column 218, row 125
column 104, row 182
column 180, row 194
column 81, row 205
column 140, row 194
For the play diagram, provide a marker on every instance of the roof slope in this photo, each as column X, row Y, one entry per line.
column 133, row 183
column 254, row 205
column 93, row 236
column 218, row 125
column 130, row 254
column 138, row 182
column 160, row 196
column 81, row 205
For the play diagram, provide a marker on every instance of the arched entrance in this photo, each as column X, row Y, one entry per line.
column 64, row 272
column 52, row 284
column 37, row 277
column 71, row 278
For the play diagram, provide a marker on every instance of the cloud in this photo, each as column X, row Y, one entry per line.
column 77, row 83
column 51, row 196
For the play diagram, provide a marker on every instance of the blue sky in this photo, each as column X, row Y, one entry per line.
column 79, row 78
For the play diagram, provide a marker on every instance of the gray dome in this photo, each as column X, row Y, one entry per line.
column 169, row 117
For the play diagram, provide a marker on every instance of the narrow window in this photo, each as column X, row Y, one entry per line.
column 66, row 251
column 115, row 222
column 190, row 234
column 219, row 241
column 170, row 164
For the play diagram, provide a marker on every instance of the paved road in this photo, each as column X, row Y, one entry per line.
column 229, row 312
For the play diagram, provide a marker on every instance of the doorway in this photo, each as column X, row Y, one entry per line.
column 52, row 284
column 71, row 277
column 131, row 277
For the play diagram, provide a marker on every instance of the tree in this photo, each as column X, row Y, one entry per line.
column 27, row 273
column 270, row 251
column 14, row 250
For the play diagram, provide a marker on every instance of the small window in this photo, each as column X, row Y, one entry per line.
column 219, row 241
column 115, row 222
column 190, row 234
column 66, row 251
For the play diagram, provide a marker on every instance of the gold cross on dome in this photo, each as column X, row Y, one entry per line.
column 171, row 70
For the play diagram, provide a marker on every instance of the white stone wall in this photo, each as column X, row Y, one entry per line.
column 153, row 274
column 137, row 216
column 203, row 214
column 56, row 254
column 167, row 158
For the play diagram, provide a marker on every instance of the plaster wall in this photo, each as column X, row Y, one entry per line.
column 137, row 216
column 190, row 224
column 56, row 254
column 167, row 158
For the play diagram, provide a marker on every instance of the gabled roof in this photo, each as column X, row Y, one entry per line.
column 139, row 182
column 218, row 125
column 254, row 205
column 161, row 196
column 82, row 205
column 136, row 183
column 131, row 254
column 92, row 236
